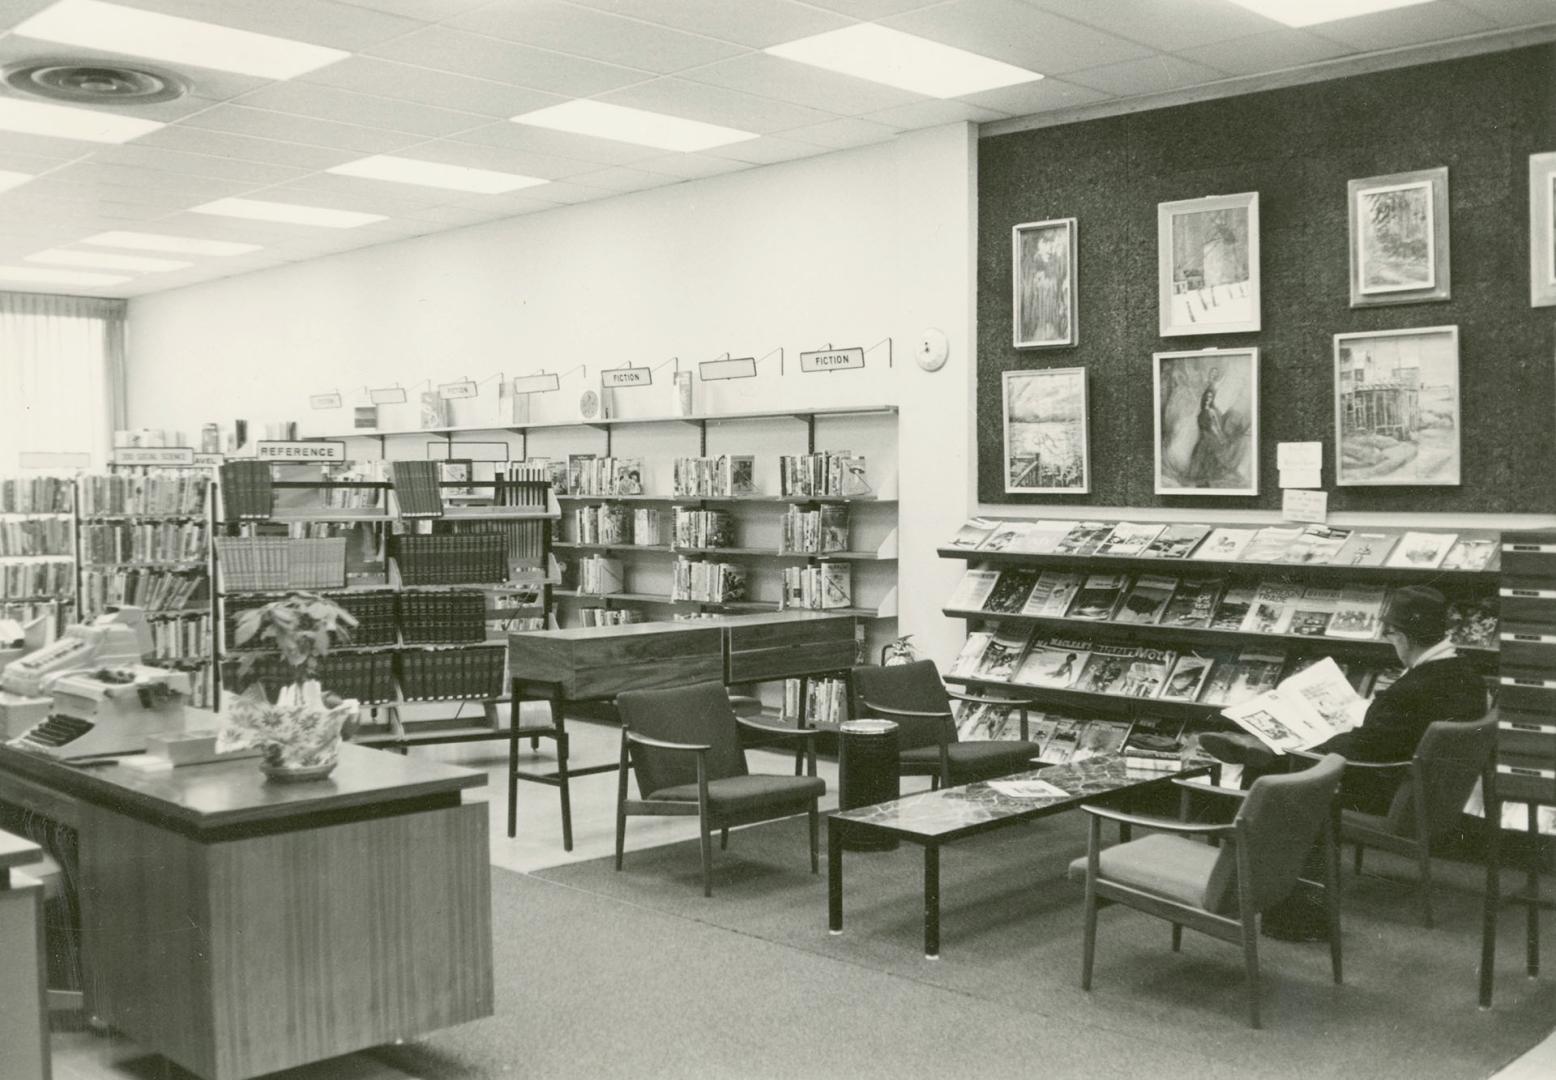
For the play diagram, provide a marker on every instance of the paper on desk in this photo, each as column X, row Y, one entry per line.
column 1028, row 789
column 1299, row 455
column 1305, row 506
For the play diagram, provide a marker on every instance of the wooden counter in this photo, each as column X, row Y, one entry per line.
column 239, row 926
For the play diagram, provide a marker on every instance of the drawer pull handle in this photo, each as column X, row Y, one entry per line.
column 1536, row 729
column 1532, row 548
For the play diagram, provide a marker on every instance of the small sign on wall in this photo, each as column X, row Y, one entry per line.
column 321, row 450
column 618, row 378
column 324, row 401
column 387, row 395
column 743, row 367
column 450, row 391
column 536, row 384
column 153, row 455
column 832, row 360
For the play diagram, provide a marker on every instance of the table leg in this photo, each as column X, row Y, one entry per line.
column 513, row 757
column 932, row 901
column 555, row 699
column 1534, row 890
column 834, row 875
column 1491, row 900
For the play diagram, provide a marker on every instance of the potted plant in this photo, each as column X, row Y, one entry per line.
column 300, row 732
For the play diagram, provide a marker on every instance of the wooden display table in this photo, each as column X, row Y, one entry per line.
column 238, row 926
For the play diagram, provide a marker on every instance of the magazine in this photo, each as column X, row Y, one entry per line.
column 1083, row 538
column 1311, row 615
column 1147, row 600
column 1252, row 673
column 1358, row 612
column 1147, row 673
column 1473, row 624
column 1271, row 544
column 1177, row 541
column 1004, row 535
column 1317, row 544
column 1233, row 608
column 1193, row 603
column 966, row 661
column 1302, row 712
column 1052, row 594
column 1100, row 737
column 1002, row 654
column 1421, row 550
column 973, row 532
column 1364, row 549
column 1188, row 677
column 1027, row 789
column 1010, row 593
column 1224, row 545
column 1127, row 538
column 983, row 721
column 1155, row 737
column 1273, row 606
column 1106, row 668
column 1099, row 596
column 1055, row 662
column 1041, row 536
column 973, row 590
column 1061, row 744
column 1471, row 553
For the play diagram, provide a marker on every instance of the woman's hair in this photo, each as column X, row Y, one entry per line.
column 1205, row 398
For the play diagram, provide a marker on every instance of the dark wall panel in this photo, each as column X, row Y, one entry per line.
column 1481, row 117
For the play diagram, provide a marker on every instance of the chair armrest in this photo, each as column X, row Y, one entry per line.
column 1309, row 756
column 770, row 729
column 1211, row 789
column 665, row 744
column 984, row 699
column 910, row 713
column 1161, row 823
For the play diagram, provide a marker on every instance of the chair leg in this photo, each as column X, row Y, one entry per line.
column 1424, row 859
column 1332, row 899
column 1177, row 937
column 707, row 855
column 815, row 838
column 724, row 839
column 1356, row 861
column 1251, row 964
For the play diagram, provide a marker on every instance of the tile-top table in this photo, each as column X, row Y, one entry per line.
column 934, row 818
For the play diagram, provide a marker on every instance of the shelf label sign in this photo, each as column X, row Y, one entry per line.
column 743, row 367
column 324, row 401
column 536, row 384
column 617, row 378
column 153, row 455
column 387, row 395
column 464, row 388
column 832, row 360
column 210, row 459
column 321, row 450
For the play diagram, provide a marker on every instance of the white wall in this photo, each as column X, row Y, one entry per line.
column 848, row 249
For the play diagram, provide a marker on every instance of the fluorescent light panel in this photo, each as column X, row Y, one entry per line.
column 183, row 245
column 38, row 275
column 10, row 179
column 291, row 213
column 106, row 260
column 882, row 55
column 1313, row 12
column 63, row 122
column 637, row 126
column 432, row 174
column 94, row 25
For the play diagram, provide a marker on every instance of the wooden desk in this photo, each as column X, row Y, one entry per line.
column 24, row 1020
column 595, row 663
column 238, row 926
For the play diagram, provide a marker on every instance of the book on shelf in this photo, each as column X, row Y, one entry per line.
column 1224, row 545
column 416, row 488
column 1010, row 592
column 1358, row 612
column 41, row 578
column 36, row 495
column 246, row 490
column 1273, row 605
column 825, row 586
column 708, row 582
column 182, row 494
column 600, row 576
column 1254, row 671
column 1471, row 553
column 1003, row 654
column 742, row 474
column 1472, row 624
column 576, row 465
column 628, row 476
column 1147, row 673
column 837, row 585
column 1302, row 711
column 1147, row 599
column 1083, row 538
column 814, row 531
column 1053, row 661
column 826, row 474
column 702, row 528
column 1053, row 593
column 647, row 527
column 1187, row 679
column 1270, row 544
column 1316, row 545
column 43, row 536
column 1128, row 539
column 1100, row 737
column 973, row 590
column 973, row 532
column 1364, row 548
column 1105, row 668
column 1176, row 541
column 1421, row 550
column 1193, row 604
column 1099, row 596
column 1312, row 614
column 434, row 411
column 1235, row 605
column 966, row 661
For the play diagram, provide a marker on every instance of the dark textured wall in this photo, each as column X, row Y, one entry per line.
column 1481, row 117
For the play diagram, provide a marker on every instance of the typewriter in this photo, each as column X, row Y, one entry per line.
column 107, row 711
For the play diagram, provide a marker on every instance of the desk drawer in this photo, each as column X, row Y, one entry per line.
column 1525, row 600
column 1527, row 736
column 1529, row 554
column 1521, row 778
column 1527, row 694
column 1527, row 648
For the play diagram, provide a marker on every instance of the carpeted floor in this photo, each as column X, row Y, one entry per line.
column 636, row 974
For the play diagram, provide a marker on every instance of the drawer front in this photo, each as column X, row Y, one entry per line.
column 1529, row 554
column 1527, row 736
column 1527, row 694
column 1528, row 601
column 1527, row 649
column 1521, row 779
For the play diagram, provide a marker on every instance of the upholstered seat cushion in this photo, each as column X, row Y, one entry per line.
column 1173, row 867
column 977, row 758
column 736, row 794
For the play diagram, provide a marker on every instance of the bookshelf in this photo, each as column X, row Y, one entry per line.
column 1238, row 639
column 38, row 541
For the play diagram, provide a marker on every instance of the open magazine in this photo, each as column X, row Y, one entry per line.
column 1309, row 708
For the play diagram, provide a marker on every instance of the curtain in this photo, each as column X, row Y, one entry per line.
column 61, row 380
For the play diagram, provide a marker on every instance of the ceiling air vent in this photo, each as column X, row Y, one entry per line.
column 87, row 82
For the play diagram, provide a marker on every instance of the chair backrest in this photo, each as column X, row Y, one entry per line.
column 914, row 686
column 699, row 713
column 1281, row 816
column 1453, row 755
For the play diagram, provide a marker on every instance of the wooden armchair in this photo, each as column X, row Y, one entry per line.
column 684, row 747
column 913, row 696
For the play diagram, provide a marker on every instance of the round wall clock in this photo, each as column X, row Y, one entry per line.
column 932, row 349
column 589, row 405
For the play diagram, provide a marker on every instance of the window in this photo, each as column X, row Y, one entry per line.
column 61, row 385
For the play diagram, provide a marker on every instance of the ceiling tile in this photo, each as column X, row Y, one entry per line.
column 263, row 124
column 1017, row 34
column 164, row 111
column 455, row 216
column 206, row 83
column 426, row 10
column 246, row 148
column 843, row 133
column 801, row 84
column 872, row 9
column 499, row 206
column 578, row 31
column 693, row 166
column 560, row 144
column 211, row 165
column 503, row 61
column 1168, row 25
column 561, row 193
column 1404, row 26
column 923, row 114
column 31, row 164
column 15, row 11
column 1045, row 95
column 1275, row 50
column 333, row 192
column 500, row 159
column 194, row 188
column 715, row 105
column 1153, row 75
column 754, row 23
column 345, row 107
column 620, row 178
column 406, row 82
column 47, row 146
column 768, row 150
column 1514, row 12
column 318, row 22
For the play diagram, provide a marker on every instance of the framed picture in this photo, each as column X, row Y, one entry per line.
column 1207, row 422
column 1396, row 406
column 1042, row 260
column 1045, row 432
column 1542, row 230
column 1399, row 238
column 1208, row 265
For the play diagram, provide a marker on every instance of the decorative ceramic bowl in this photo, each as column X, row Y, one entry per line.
column 296, row 774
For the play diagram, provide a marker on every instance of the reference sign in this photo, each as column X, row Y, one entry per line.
column 322, row 450
column 832, row 360
column 616, row 378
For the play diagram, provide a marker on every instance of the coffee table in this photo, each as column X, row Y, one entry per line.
column 932, row 819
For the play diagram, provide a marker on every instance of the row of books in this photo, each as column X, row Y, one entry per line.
column 611, row 523
column 474, row 673
column 724, row 475
column 703, row 528
column 523, row 539
column 829, row 473
column 202, row 688
column 417, row 489
column 707, row 582
column 821, row 587
column 824, row 703
column 815, row 531
column 35, row 536
column 58, row 613
column 1311, row 545
column 600, row 576
column 465, row 557
column 355, row 498
column 150, row 590
column 181, row 639
column 364, row 677
column 255, row 563
column 442, row 616
column 591, row 475
column 1212, row 677
column 36, row 495
column 118, row 493
column 148, row 541
column 37, row 578
column 247, row 491
column 1149, row 742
